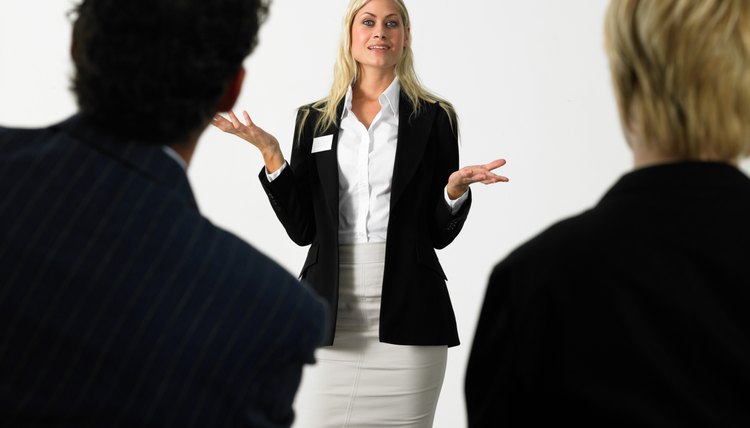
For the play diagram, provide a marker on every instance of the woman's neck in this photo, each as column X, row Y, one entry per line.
column 645, row 156
column 372, row 84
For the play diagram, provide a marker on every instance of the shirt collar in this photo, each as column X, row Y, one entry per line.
column 174, row 155
column 389, row 98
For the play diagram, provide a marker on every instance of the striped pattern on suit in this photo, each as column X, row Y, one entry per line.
column 120, row 305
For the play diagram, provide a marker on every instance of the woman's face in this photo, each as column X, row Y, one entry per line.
column 378, row 35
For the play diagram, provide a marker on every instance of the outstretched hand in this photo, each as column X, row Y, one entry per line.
column 253, row 134
column 459, row 181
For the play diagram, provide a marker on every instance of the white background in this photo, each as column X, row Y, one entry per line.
column 529, row 80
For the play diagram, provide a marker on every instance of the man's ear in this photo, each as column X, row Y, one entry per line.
column 227, row 100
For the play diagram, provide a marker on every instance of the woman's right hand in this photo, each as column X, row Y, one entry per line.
column 255, row 135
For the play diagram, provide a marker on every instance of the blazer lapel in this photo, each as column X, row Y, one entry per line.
column 413, row 133
column 328, row 166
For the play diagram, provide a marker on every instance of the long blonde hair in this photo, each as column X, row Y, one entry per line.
column 346, row 72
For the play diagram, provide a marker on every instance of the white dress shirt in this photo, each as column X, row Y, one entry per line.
column 365, row 161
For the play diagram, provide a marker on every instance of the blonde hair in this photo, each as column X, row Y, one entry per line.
column 346, row 72
column 681, row 72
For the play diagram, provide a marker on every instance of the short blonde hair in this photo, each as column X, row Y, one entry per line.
column 681, row 72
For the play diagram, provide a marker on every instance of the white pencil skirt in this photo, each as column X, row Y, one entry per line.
column 359, row 381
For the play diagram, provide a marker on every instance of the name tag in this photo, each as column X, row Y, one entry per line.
column 321, row 144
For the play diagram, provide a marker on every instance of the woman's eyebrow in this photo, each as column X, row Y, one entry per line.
column 375, row 16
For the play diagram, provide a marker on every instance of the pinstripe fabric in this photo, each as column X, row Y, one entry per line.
column 120, row 305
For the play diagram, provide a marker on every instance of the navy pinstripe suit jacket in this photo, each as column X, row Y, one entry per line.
column 120, row 305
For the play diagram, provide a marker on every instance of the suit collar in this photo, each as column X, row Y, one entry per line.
column 149, row 160
column 678, row 177
column 327, row 164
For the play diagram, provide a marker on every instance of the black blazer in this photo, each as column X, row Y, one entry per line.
column 122, row 306
column 415, row 306
column 634, row 313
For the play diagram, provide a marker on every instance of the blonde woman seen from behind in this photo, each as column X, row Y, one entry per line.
column 639, row 316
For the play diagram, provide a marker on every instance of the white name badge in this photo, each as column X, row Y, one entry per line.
column 321, row 144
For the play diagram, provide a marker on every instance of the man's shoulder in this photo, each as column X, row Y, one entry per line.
column 216, row 256
column 13, row 139
column 145, row 216
column 263, row 283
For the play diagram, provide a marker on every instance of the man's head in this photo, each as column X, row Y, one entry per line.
column 681, row 72
column 158, row 70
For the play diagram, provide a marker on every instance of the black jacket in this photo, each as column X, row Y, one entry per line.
column 415, row 306
column 634, row 313
column 122, row 306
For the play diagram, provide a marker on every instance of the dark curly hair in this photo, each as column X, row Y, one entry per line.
column 154, row 70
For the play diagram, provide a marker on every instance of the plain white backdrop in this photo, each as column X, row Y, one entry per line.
column 529, row 80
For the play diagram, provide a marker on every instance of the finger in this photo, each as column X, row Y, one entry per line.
column 235, row 122
column 469, row 171
column 485, row 177
column 221, row 123
column 497, row 179
column 247, row 119
column 497, row 163
column 474, row 171
column 476, row 178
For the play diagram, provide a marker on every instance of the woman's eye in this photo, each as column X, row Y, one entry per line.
column 391, row 24
column 368, row 22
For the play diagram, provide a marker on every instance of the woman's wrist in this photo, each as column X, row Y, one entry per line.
column 455, row 193
column 273, row 159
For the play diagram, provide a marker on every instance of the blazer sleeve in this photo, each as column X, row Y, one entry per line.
column 446, row 225
column 289, row 194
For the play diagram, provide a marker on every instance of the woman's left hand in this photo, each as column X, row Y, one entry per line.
column 459, row 181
